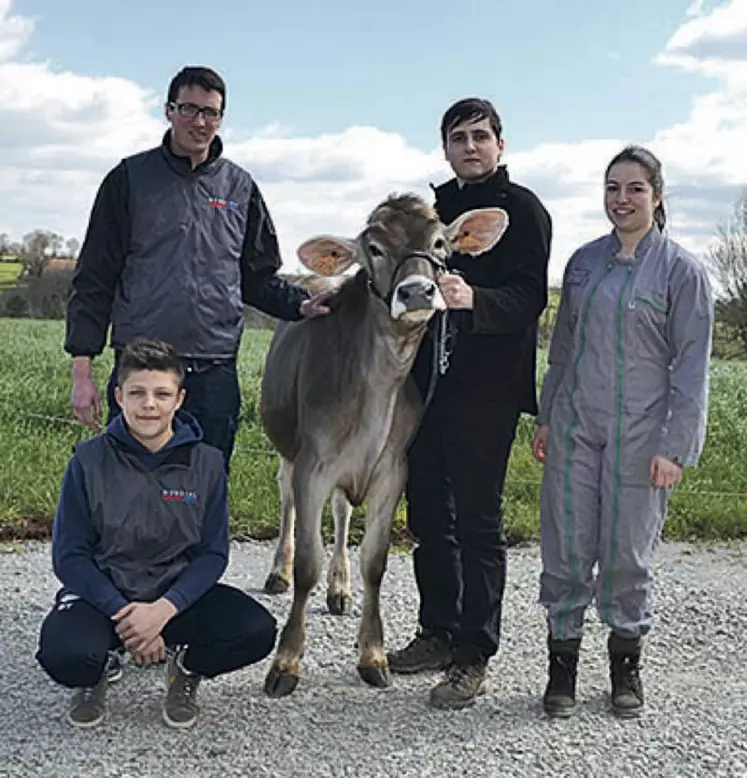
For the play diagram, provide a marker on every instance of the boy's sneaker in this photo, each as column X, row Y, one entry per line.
column 88, row 706
column 115, row 666
column 180, row 709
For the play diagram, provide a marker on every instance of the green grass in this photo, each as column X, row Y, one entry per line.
column 37, row 433
column 9, row 272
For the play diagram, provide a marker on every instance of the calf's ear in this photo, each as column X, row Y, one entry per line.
column 327, row 255
column 478, row 230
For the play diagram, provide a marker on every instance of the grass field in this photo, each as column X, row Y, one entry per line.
column 37, row 432
column 9, row 272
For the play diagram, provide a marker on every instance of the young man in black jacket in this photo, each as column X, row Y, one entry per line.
column 179, row 238
column 458, row 460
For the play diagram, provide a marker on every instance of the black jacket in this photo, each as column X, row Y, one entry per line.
column 494, row 351
column 172, row 253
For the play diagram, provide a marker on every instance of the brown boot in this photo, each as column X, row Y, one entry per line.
column 463, row 684
column 423, row 652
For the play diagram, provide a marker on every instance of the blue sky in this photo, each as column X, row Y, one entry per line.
column 556, row 70
column 334, row 104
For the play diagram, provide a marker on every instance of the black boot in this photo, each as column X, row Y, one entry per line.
column 627, row 689
column 560, row 695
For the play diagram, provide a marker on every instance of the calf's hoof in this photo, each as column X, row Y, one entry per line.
column 379, row 677
column 279, row 684
column 276, row 584
column 338, row 604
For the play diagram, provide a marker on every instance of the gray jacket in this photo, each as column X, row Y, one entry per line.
column 173, row 253
column 134, row 525
column 635, row 344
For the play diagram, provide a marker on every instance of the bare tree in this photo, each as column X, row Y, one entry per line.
column 72, row 246
column 38, row 248
column 728, row 263
column 55, row 243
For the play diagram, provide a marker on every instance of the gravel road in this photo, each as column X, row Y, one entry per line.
column 695, row 676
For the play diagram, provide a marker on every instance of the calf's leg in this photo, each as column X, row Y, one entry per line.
column 278, row 581
column 310, row 489
column 338, row 576
column 383, row 496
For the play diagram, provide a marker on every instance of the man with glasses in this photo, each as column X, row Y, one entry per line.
column 179, row 238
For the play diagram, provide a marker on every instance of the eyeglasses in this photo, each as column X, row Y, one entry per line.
column 192, row 111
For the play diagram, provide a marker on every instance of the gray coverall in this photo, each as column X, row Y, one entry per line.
column 627, row 380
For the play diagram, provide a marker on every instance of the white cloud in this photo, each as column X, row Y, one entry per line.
column 697, row 8
column 714, row 44
column 14, row 31
column 329, row 183
column 705, row 156
column 61, row 131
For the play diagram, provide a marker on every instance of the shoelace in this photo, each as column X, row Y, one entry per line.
column 88, row 693
column 187, row 687
column 627, row 676
column 459, row 673
column 561, row 660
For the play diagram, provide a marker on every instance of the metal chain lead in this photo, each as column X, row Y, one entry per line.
column 444, row 352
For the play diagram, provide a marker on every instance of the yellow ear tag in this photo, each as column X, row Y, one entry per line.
column 326, row 264
column 468, row 243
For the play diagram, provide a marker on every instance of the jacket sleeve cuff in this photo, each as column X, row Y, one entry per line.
column 176, row 599
column 683, row 455
column 113, row 605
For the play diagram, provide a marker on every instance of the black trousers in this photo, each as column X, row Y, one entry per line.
column 457, row 468
column 224, row 631
column 213, row 398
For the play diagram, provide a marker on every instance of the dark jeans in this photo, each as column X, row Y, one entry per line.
column 457, row 468
column 224, row 630
column 213, row 398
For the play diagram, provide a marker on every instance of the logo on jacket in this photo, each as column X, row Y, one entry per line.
column 219, row 202
column 179, row 495
column 66, row 600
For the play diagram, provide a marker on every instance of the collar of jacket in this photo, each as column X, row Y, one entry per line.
column 183, row 165
column 652, row 238
column 179, row 455
column 177, row 451
column 495, row 182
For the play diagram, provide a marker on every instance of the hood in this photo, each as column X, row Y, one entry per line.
column 186, row 431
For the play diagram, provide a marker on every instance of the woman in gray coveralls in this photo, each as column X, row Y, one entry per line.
column 623, row 410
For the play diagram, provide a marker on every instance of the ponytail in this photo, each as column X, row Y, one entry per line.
column 660, row 217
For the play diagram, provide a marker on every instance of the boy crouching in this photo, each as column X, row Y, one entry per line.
column 140, row 541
